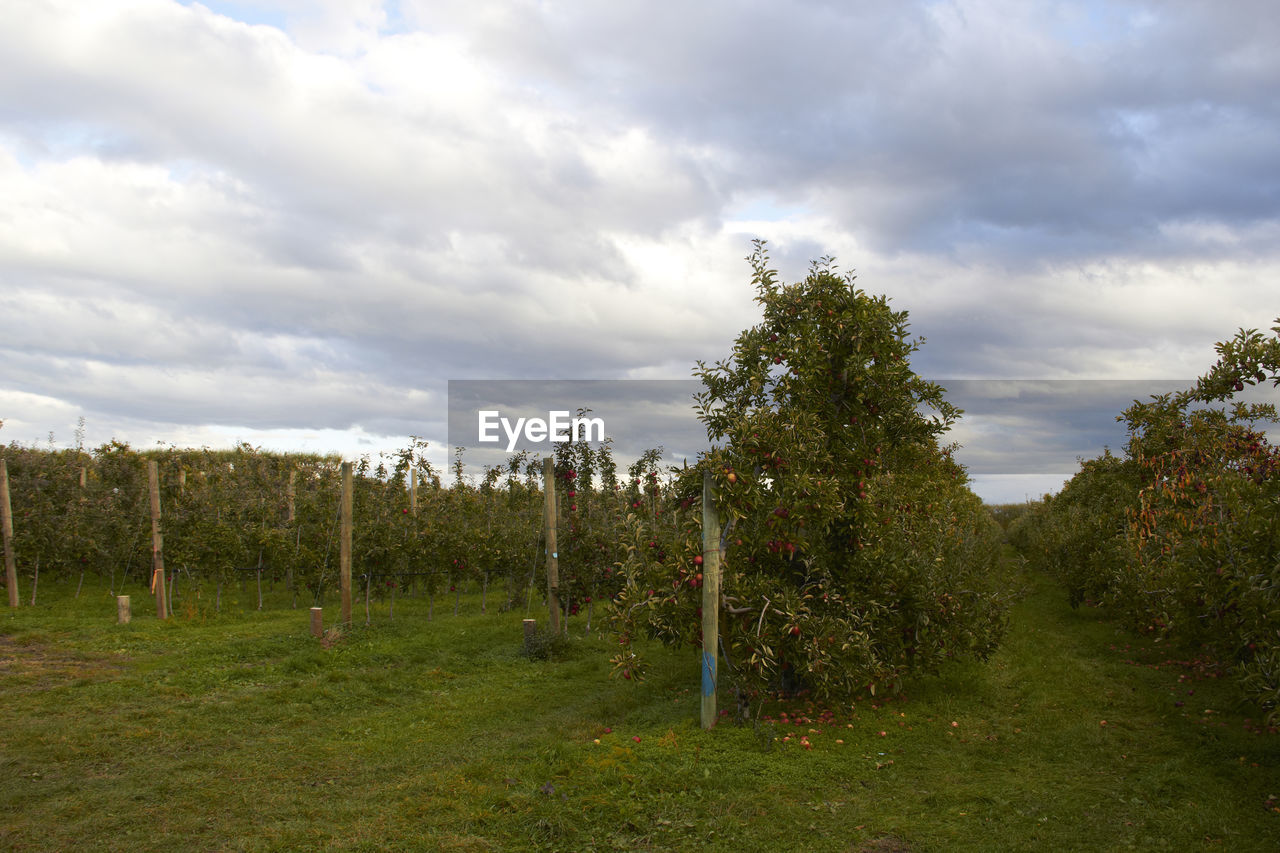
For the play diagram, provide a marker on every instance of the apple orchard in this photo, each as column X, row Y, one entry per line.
column 852, row 553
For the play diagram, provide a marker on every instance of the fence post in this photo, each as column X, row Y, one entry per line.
column 344, row 558
column 124, row 612
column 317, row 622
column 710, row 599
column 553, row 556
column 157, row 541
column 6, row 522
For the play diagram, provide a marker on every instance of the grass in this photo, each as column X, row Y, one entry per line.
column 242, row 732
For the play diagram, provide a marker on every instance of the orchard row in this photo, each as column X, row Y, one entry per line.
column 225, row 512
column 1182, row 531
column 852, row 553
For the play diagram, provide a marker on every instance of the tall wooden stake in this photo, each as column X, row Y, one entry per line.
column 157, row 542
column 291, row 494
column 84, row 478
column 344, row 558
column 413, row 491
column 710, row 599
column 6, row 522
column 553, row 556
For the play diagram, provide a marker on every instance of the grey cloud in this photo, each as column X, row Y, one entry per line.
column 315, row 229
column 959, row 122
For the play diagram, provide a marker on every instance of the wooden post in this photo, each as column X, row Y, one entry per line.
column 413, row 491
column 530, row 633
column 317, row 622
column 157, row 542
column 553, row 556
column 344, row 555
column 124, row 612
column 6, row 522
column 710, row 599
column 84, row 479
column 291, row 494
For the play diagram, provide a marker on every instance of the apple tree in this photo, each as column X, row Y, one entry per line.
column 853, row 551
column 1183, row 533
column 1204, row 538
column 1078, row 535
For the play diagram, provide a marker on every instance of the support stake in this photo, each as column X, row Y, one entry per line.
column 157, row 542
column 710, row 599
column 344, row 556
column 6, row 521
column 553, row 556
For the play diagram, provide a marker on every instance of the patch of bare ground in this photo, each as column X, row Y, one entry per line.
column 882, row 845
column 29, row 666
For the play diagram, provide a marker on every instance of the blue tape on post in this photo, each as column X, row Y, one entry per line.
column 708, row 673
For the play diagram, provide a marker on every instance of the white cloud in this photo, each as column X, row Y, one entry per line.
column 288, row 217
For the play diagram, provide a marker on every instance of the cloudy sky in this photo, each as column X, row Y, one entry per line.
column 290, row 223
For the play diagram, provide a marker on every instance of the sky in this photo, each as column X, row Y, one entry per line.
column 292, row 223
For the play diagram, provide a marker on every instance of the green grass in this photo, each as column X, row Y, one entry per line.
column 242, row 732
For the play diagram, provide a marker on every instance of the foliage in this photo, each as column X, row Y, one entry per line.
column 1078, row 535
column 1007, row 514
column 1183, row 534
column 853, row 552
column 228, row 515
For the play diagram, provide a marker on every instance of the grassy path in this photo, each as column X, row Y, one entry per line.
column 241, row 733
